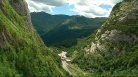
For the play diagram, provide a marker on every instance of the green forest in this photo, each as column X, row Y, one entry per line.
column 62, row 30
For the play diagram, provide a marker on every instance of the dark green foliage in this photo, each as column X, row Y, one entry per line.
column 116, row 7
column 22, row 52
column 44, row 22
column 27, row 63
column 67, row 43
column 121, row 63
column 63, row 30
column 77, row 27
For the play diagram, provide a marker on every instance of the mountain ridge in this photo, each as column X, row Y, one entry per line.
column 66, row 29
column 41, row 19
column 73, row 28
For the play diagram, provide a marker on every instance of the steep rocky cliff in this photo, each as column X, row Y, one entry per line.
column 114, row 47
column 14, row 12
column 22, row 52
column 121, row 26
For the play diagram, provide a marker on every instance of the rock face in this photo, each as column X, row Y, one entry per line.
column 21, row 7
column 121, row 26
column 115, row 36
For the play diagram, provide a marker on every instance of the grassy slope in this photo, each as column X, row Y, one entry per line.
column 25, row 54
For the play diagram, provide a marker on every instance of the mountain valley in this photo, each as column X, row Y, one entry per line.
column 63, row 30
column 44, row 45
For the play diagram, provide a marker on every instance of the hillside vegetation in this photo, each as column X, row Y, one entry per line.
column 44, row 22
column 63, row 30
column 22, row 52
column 66, row 33
column 113, row 49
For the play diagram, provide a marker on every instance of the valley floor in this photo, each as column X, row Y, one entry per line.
column 65, row 67
column 72, row 69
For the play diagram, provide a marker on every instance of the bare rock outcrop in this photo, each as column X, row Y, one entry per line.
column 123, row 16
column 21, row 7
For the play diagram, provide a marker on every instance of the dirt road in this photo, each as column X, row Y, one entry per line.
column 64, row 63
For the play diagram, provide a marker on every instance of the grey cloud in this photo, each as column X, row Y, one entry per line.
column 82, row 2
column 46, row 9
column 51, row 2
column 116, row 1
column 34, row 7
column 47, row 5
column 92, row 11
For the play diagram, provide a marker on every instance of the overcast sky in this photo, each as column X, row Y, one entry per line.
column 87, row 8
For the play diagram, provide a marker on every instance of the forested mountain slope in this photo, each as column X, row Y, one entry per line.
column 63, row 30
column 66, row 33
column 113, row 49
column 44, row 22
column 22, row 52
